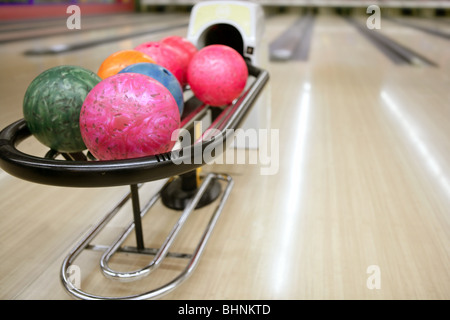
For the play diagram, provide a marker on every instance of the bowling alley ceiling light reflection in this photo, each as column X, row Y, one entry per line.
column 421, row 147
column 292, row 209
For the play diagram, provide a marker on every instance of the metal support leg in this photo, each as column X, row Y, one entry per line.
column 137, row 217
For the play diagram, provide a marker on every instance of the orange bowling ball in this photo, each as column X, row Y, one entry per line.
column 119, row 60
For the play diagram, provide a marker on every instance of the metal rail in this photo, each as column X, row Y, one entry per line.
column 161, row 253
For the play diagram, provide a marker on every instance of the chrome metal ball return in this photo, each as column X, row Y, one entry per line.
column 77, row 170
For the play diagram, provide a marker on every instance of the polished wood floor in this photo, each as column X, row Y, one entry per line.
column 359, row 207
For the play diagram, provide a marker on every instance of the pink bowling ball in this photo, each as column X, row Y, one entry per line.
column 164, row 55
column 217, row 74
column 185, row 51
column 129, row 115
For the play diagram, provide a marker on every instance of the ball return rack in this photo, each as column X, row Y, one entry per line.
column 179, row 192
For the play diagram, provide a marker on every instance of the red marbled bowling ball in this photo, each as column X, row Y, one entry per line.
column 185, row 51
column 164, row 55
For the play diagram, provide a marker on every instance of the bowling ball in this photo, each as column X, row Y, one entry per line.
column 162, row 75
column 185, row 51
column 217, row 74
column 164, row 55
column 128, row 115
column 52, row 105
column 121, row 59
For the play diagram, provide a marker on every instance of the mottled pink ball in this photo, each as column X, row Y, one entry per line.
column 164, row 55
column 217, row 74
column 128, row 115
column 185, row 51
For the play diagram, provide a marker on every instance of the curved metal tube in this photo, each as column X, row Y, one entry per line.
column 163, row 250
column 160, row 291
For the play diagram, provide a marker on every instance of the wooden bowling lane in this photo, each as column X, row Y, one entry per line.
column 360, row 183
column 432, row 47
column 105, row 33
column 117, row 33
column 27, row 30
column 22, row 24
column 429, row 25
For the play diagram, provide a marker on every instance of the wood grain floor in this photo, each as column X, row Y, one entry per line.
column 362, row 182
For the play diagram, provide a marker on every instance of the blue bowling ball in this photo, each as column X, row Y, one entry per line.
column 161, row 74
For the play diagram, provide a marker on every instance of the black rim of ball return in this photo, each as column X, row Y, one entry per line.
column 131, row 171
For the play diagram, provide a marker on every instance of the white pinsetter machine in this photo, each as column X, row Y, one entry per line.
column 234, row 23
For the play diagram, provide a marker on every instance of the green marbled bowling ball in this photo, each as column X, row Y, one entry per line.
column 52, row 106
